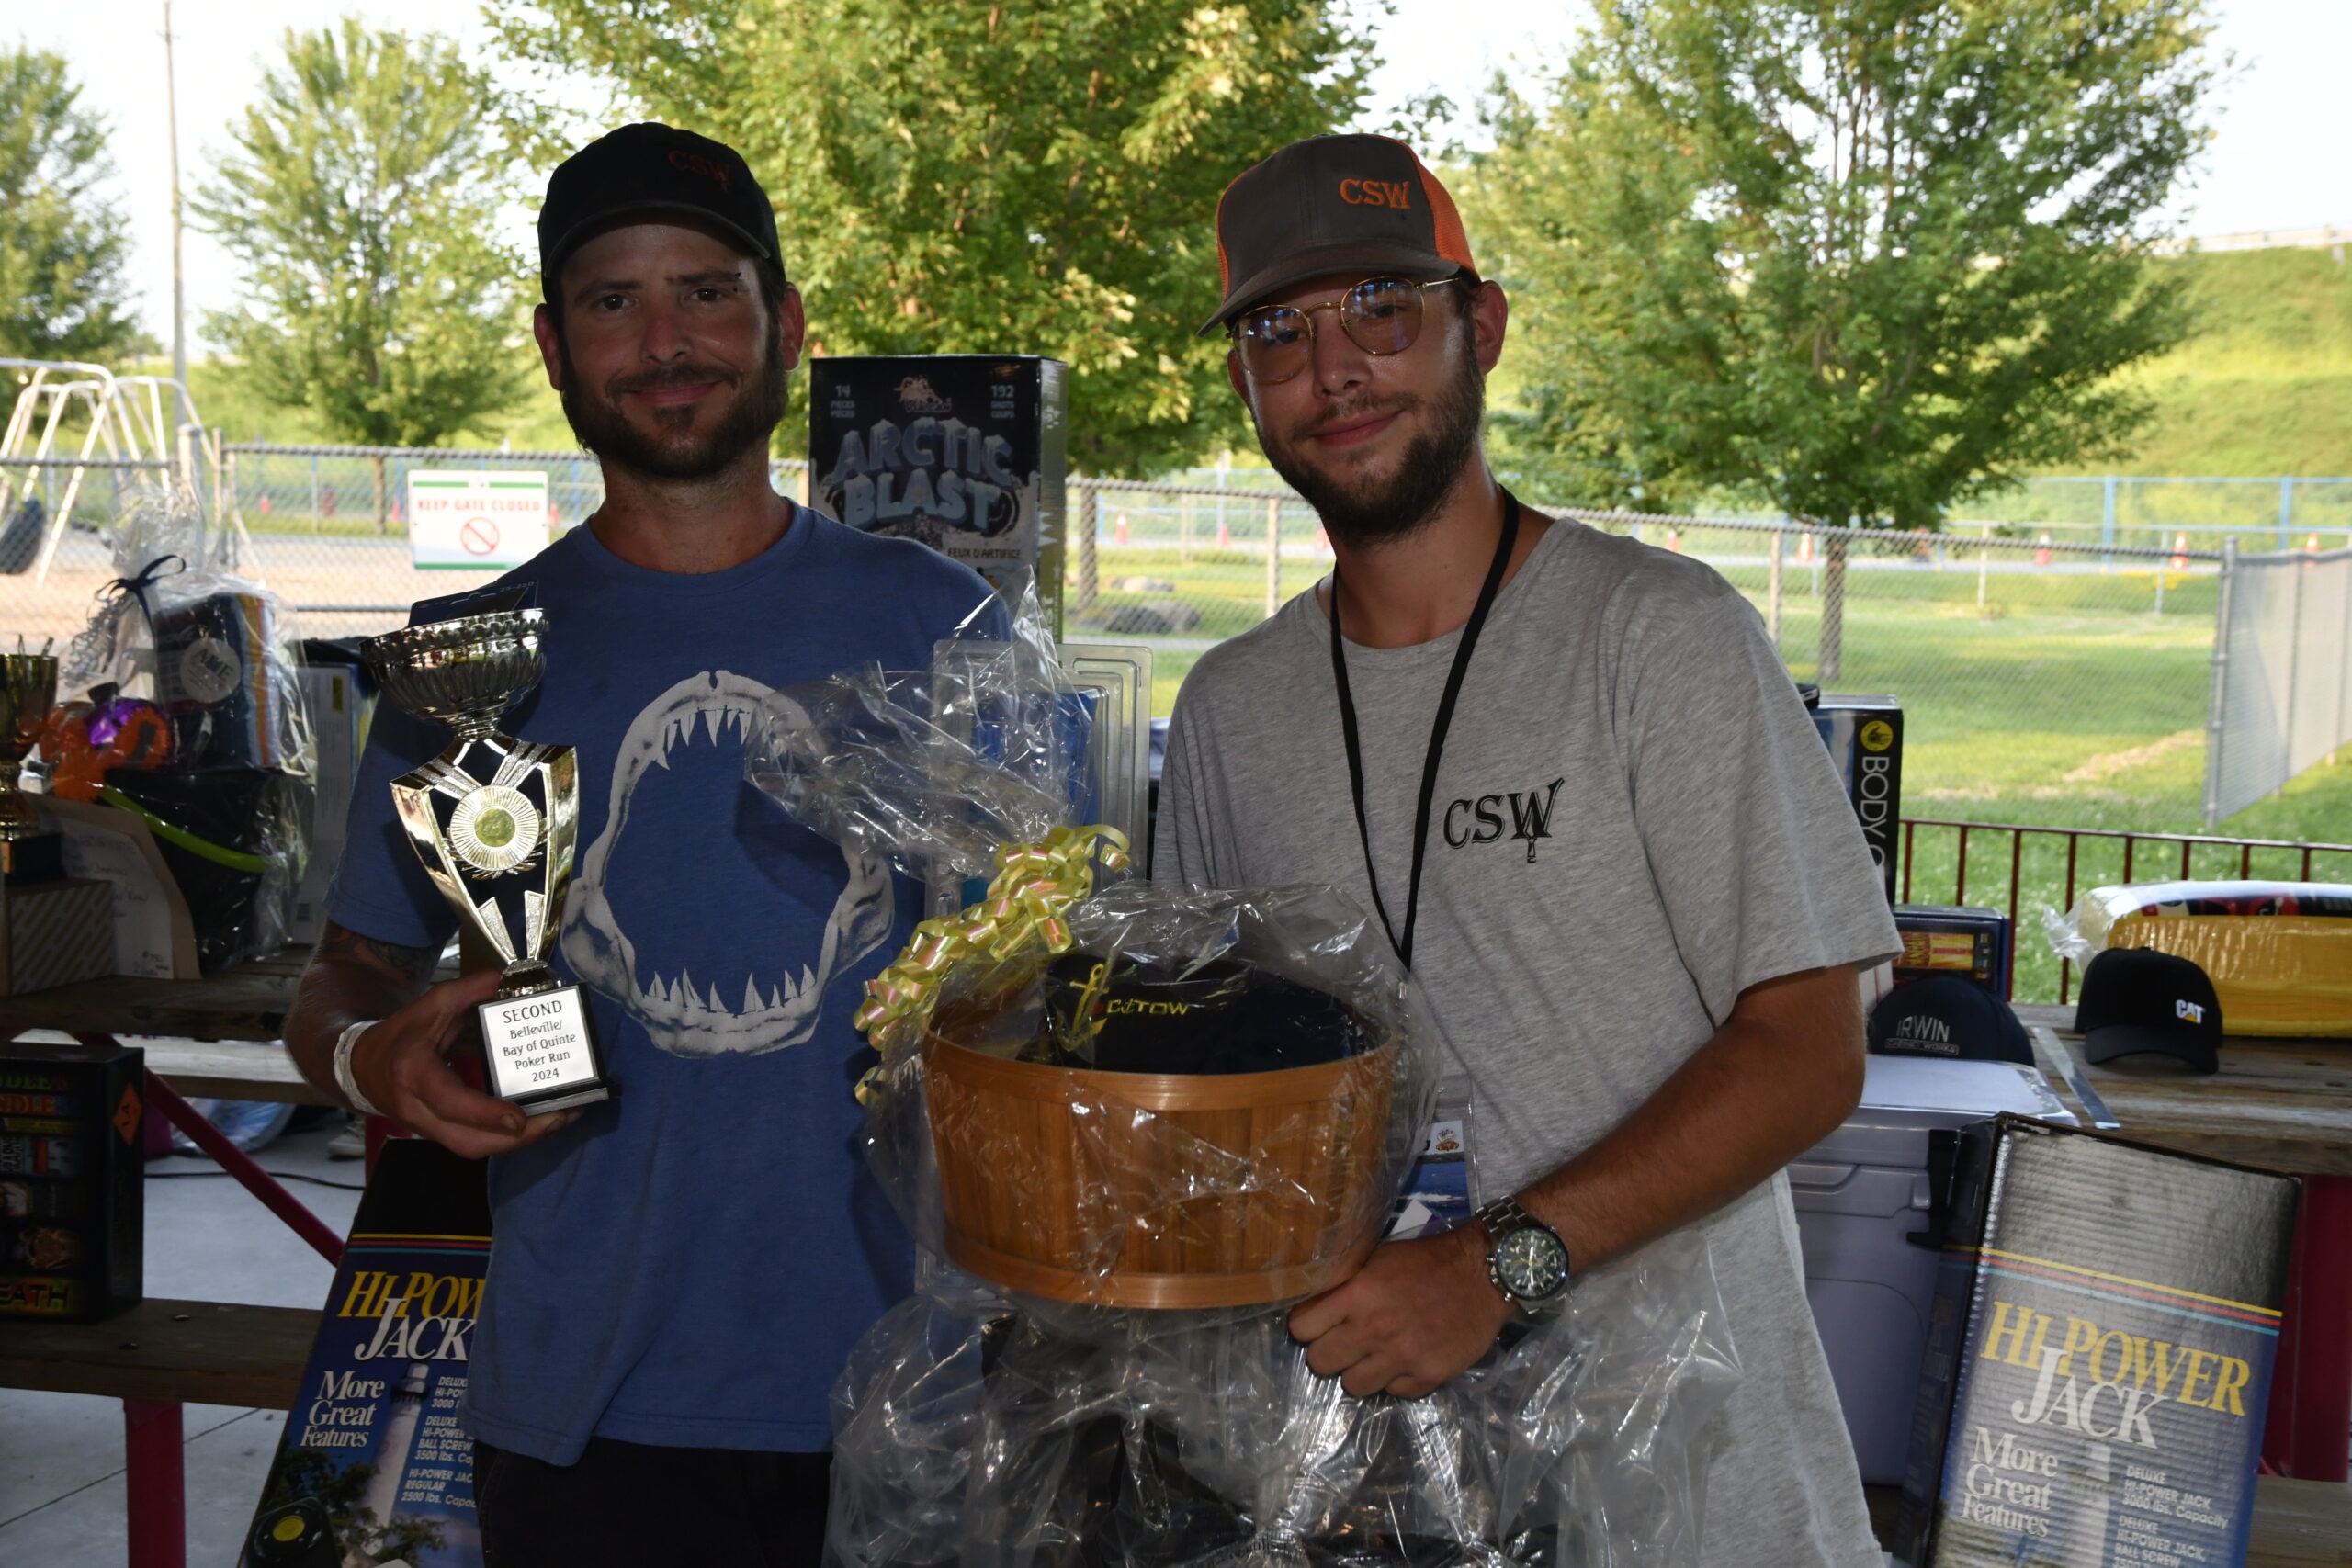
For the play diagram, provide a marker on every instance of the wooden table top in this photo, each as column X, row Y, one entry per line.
column 2286, row 1104
column 216, row 1038
column 194, row 1352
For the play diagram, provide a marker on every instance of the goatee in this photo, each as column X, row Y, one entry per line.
column 676, row 453
column 1365, row 511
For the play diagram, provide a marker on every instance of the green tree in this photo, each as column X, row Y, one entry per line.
column 362, row 204
column 1039, row 178
column 64, row 244
column 1859, row 258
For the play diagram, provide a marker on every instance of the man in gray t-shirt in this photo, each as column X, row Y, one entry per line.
column 1605, row 836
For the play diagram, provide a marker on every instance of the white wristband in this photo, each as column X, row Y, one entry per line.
column 342, row 1078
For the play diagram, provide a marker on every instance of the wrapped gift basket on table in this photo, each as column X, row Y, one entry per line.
column 1128, row 1126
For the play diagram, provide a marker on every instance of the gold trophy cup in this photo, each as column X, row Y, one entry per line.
column 496, row 821
column 28, row 691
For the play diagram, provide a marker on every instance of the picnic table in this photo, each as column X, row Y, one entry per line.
column 220, row 1038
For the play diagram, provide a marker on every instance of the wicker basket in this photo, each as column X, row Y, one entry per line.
column 1147, row 1189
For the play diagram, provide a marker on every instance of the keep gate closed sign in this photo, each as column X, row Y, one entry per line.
column 476, row 519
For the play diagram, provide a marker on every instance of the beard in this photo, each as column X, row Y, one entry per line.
column 1368, row 511
column 673, row 451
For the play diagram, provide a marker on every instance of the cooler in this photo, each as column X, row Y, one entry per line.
column 1861, row 1195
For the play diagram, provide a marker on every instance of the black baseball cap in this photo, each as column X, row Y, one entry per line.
column 645, row 169
column 2136, row 999
column 1328, row 204
column 1948, row 1016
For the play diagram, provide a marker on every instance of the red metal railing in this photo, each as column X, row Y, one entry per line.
column 2190, row 844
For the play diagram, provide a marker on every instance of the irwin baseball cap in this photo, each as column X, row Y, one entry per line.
column 647, row 169
column 1331, row 204
column 2136, row 999
column 1948, row 1016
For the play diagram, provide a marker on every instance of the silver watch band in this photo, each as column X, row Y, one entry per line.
column 342, row 1078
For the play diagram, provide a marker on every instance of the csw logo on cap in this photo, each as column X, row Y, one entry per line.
column 1334, row 204
column 1948, row 1016
column 2136, row 1000
column 645, row 171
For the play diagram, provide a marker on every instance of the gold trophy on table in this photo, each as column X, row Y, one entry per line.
column 496, row 820
column 28, row 691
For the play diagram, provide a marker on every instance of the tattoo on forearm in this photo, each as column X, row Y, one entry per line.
column 414, row 963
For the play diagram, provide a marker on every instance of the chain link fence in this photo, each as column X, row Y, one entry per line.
column 2051, row 671
column 2283, row 680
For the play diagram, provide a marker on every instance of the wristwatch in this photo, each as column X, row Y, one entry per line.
column 1525, row 1257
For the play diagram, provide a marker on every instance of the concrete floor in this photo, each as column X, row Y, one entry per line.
column 60, row 1455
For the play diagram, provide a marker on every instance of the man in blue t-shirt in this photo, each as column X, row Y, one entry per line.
column 678, row 1272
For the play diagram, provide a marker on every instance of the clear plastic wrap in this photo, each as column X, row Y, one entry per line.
column 977, row 1428
column 1128, row 1127
column 194, row 723
column 2280, row 953
column 213, row 651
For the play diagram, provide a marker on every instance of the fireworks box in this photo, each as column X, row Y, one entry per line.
column 72, row 1180
column 2100, row 1358
column 373, row 1465
column 1865, row 740
column 1951, row 939
column 964, row 452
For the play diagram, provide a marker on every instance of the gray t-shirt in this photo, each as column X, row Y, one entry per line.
column 1635, row 821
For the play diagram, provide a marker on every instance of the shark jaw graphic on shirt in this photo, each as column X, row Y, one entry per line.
column 685, row 1013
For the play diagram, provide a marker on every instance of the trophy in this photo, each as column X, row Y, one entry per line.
column 494, row 819
column 28, row 691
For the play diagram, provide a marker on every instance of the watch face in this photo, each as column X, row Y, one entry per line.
column 1532, row 1263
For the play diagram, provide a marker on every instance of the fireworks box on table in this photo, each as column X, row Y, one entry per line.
column 2098, row 1358
column 373, row 1465
column 72, row 1175
column 1951, row 939
column 1865, row 740
column 964, row 452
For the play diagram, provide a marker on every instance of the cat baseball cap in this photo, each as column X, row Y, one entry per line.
column 2136, row 999
column 1333, row 204
column 1948, row 1016
column 647, row 169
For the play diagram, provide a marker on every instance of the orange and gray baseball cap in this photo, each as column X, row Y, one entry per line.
column 1331, row 204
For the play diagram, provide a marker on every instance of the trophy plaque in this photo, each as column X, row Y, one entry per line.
column 496, row 821
column 28, row 691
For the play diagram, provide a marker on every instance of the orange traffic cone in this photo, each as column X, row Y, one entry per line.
column 2041, row 556
column 2179, row 544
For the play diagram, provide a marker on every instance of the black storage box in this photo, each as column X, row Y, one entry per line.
column 72, row 1209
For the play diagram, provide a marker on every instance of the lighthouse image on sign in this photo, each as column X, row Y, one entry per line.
column 406, row 1408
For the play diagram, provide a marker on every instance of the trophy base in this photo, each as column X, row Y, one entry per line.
column 539, row 1053
column 36, row 857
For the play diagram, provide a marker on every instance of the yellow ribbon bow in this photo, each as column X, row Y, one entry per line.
column 1034, row 887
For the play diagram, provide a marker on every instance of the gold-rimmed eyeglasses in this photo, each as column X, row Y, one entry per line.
column 1380, row 316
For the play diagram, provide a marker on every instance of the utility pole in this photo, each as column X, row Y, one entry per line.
column 179, row 324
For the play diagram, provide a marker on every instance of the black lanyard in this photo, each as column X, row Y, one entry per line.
column 1445, row 721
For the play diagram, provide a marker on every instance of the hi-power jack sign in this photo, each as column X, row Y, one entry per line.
column 477, row 518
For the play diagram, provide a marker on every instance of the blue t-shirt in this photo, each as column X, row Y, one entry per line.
column 688, row 1264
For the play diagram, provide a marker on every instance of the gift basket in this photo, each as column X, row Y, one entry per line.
column 1129, row 1125
column 192, row 720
